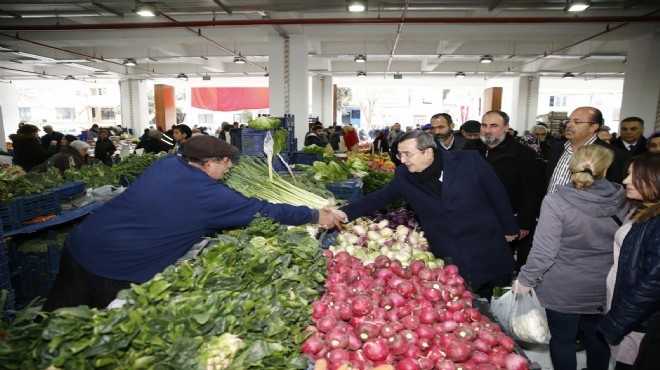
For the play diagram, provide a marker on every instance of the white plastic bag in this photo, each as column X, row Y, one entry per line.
column 528, row 322
column 502, row 308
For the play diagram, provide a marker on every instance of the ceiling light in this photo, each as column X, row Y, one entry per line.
column 568, row 75
column 4, row 49
column 486, row 59
column 130, row 62
column 239, row 59
column 69, row 77
column 145, row 10
column 362, row 74
column 577, row 5
column 356, row 5
column 360, row 59
column 460, row 74
column 182, row 76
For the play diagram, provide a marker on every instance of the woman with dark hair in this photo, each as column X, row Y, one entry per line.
column 571, row 255
column 28, row 151
column 634, row 281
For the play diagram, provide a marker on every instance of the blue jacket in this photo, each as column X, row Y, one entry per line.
column 160, row 216
column 467, row 223
column 636, row 299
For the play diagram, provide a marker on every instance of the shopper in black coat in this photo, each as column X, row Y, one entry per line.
column 104, row 149
column 28, row 151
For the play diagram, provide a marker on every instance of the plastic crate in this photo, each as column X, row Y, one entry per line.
column 252, row 141
column 305, row 158
column 5, row 273
column 25, row 285
column 350, row 189
column 45, row 263
column 31, row 206
column 278, row 165
column 70, row 190
column 8, row 219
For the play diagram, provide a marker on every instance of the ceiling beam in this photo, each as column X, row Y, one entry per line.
column 11, row 14
column 493, row 4
column 108, row 9
column 627, row 4
column 223, row 6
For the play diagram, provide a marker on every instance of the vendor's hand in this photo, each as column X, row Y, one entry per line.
column 519, row 288
column 510, row 238
column 341, row 214
column 523, row 234
column 328, row 219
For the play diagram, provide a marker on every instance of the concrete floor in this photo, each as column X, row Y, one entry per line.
column 540, row 355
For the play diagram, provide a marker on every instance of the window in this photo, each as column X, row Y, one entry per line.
column 107, row 114
column 103, row 91
column 557, row 101
column 24, row 112
column 204, row 118
column 64, row 113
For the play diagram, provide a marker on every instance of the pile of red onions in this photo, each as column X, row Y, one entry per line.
column 414, row 318
column 399, row 216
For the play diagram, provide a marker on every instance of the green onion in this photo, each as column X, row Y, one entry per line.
column 250, row 178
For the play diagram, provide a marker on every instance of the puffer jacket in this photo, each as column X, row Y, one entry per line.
column 572, row 250
column 636, row 299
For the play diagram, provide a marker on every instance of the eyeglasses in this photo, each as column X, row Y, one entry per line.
column 577, row 121
column 399, row 156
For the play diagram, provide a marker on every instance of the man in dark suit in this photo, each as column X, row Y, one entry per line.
column 581, row 128
column 461, row 204
column 631, row 138
column 442, row 128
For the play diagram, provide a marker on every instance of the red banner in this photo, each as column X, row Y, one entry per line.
column 228, row 99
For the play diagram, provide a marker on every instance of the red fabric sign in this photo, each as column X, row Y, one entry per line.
column 228, row 99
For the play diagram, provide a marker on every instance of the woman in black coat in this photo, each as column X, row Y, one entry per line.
column 28, row 151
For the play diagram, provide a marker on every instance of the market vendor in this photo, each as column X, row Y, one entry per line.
column 461, row 204
column 156, row 220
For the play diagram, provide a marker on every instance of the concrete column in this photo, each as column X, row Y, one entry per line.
column 641, row 87
column 322, row 96
column 8, row 112
column 525, row 103
column 134, row 105
column 276, row 76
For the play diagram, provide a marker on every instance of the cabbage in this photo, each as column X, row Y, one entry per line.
column 264, row 123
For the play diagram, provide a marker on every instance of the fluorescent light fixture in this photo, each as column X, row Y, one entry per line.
column 182, row 76
column 360, row 59
column 4, row 49
column 362, row 74
column 145, row 10
column 130, row 62
column 577, row 5
column 356, row 5
column 34, row 56
column 568, row 75
column 460, row 75
column 239, row 59
column 85, row 67
column 69, row 77
column 486, row 59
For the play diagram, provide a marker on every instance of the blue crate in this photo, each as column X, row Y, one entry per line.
column 305, row 158
column 350, row 189
column 45, row 263
column 70, row 190
column 278, row 165
column 25, row 283
column 252, row 141
column 31, row 206
column 5, row 273
column 8, row 218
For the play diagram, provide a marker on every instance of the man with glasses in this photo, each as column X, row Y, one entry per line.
column 581, row 128
column 442, row 128
column 171, row 206
column 461, row 204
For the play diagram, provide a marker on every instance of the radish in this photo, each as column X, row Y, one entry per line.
column 375, row 349
column 431, row 294
column 425, row 363
column 387, row 331
column 324, row 352
column 404, row 311
column 454, row 306
column 481, row 345
column 425, row 331
column 367, row 330
column 409, row 336
column 320, row 309
column 344, row 310
column 326, row 323
column 429, row 315
column 386, row 303
column 468, row 365
column 450, row 269
column 458, row 350
column 408, row 364
column 352, row 276
column 391, row 316
column 361, row 305
column 435, row 354
column 397, row 326
column 479, row 357
column 458, row 316
column 384, row 274
column 425, row 273
column 489, row 337
column 397, row 299
column 416, row 266
column 449, row 326
column 472, row 314
column 312, row 345
column 515, row 362
column 497, row 356
column 412, row 352
column 424, row 343
column 357, row 357
column 445, row 365
column 487, row 367
column 506, row 342
column 338, row 356
column 410, row 322
column 397, row 344
column 336, row 338
column 354, row 342
column 465, row 332
column 405, row 288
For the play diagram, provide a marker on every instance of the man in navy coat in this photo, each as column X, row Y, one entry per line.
column 461, row 204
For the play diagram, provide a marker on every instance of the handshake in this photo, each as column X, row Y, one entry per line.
column 330, row 218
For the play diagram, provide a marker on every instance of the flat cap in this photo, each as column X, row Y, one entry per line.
column 206, row 146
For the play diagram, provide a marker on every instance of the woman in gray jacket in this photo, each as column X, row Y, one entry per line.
column 571, row 255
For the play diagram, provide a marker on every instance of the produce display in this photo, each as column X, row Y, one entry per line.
column 243, row 304
column 313, row 149
column 264, row 123
column 413, row 317
column 250, row 178
column 381, row 163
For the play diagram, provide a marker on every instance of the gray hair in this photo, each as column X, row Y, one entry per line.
column 79, row 145
column 424, row 139
column 538, row 127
